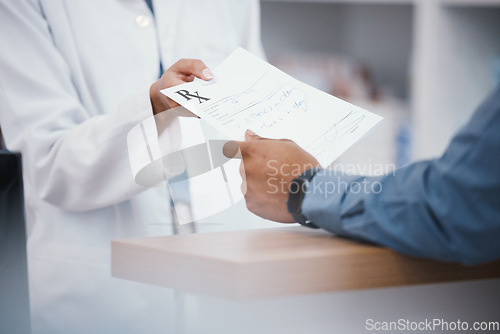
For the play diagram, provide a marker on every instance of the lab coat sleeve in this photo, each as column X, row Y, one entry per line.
column 446, row 209
column 75, row 158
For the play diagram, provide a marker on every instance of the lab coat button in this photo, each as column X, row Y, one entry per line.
column 142, row 21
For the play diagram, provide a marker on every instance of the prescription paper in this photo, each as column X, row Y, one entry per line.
column 249, row 93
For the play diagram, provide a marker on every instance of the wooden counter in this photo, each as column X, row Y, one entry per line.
column 276, row 262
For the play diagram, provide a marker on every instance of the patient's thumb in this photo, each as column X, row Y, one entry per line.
column 250, row 135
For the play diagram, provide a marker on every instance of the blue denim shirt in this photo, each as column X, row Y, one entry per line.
column 446, row 209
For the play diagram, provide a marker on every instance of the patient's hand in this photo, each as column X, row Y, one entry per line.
column 268, row 166
column 185, row 70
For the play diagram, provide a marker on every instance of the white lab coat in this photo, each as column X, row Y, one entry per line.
column 74, row 79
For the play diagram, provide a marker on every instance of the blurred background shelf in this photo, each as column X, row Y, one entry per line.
column 416, row 2
column 456, row 50
column 346, row 1
column 472, row 3
column 424, row 65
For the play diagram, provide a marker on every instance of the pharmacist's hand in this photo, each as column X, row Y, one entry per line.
column 185, row 70
column 267, row 168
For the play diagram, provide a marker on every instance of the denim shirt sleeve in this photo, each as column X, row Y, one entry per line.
column 446, row 209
